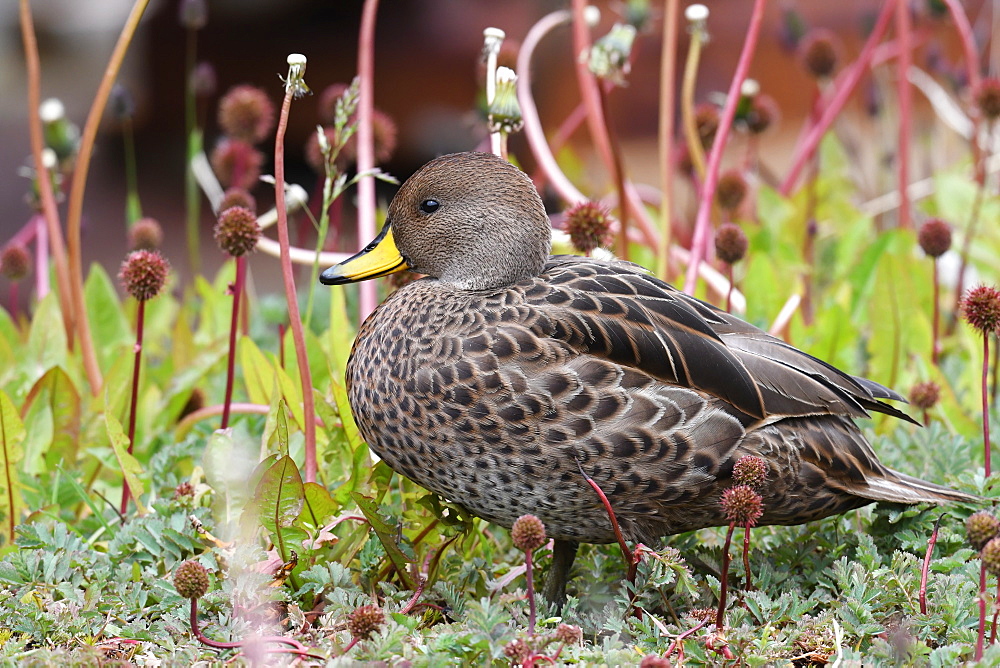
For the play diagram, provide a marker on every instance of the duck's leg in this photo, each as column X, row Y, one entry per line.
column 563, row 554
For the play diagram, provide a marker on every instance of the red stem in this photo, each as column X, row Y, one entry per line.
column 905, row 94
column 140, row 319
column 702, row 227
column 629, row 559
column 241, row 271
column 724, row 581
column 833, row 108
column 986, row 402
column 530, row 578
column 366, row 146
column 925, row 568
column 297, row 647
column 971, row 60
column 295, row 319
column 676, row 643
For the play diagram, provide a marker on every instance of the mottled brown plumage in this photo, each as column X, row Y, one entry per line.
column 496, row 379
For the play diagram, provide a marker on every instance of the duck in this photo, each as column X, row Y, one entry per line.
column 506, row 377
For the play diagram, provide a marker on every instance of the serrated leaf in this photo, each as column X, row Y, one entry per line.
column 386, row 535
column 278, row 499
column 11, row 436
column 130, row 467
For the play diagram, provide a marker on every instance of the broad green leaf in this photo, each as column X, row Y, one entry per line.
column 276, row 429
column 278, row 500
column 319, row 506
column 387, row 536
column 110, row 329
column 258, row 372
column 11, row 436
column 46, row 339
column 53, row 398
column 130, row 467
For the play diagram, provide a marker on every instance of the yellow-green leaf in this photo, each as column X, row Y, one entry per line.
column 129, row 465
column 11, row 437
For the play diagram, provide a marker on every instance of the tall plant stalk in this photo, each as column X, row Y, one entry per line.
column 366, row 145
column 702, row 236
column 294, row 86
column 668, row 60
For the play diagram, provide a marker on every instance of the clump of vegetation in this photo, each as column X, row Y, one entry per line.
column 279, row 538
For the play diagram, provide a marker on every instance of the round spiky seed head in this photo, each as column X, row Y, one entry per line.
column 750, row 470
column 981, row 527
column 731, row 190
column 763, row 113
column 730, row 243
column 706, row 120
column 145, row 234
column 364, row 621
column 516, row 650
column 184, row 489
column 981, row 308
column 569, row 634
column 654, row 661
column 991, row 556
column 925, row 395
column 528, row 533
column 935, row 237
column 191, row 579
column 245, row 112
column 237, row 231
column 819, row 53
column 987, row 96
column 15, row 262
column 238, row 197
column 143, row 274
column 236, row 163
column 742, row 505
column 588, row 225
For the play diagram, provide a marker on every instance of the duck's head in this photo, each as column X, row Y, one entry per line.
column 469, row 219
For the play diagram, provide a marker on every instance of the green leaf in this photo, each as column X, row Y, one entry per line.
column 110, row 329
column 129, row 465
column 53, row 399
column 11, row 437
column 258, row 372
column 319, row 506
column 277, row 502
column 387, row 536
column 47, row 346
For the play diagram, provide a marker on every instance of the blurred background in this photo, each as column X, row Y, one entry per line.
column 428, row 80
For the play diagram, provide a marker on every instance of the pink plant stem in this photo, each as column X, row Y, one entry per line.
column 45, row 192
column 832, row 109
column 140, row 318
column 981, row 602
column 968, row 40
column 529, row 111
column 296, row 646
column 926, row 566
column 295, row 319
column 241, row 272
column 986, row 402
column 905, row 94
column 626, row 553
column 41, row 257
column 589, row 90
column 366, row 146
column 530, row 578
column 720, row 615
column 565, row 130
column 676, row 644
column 702, row 226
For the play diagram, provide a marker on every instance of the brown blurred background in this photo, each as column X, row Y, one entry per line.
column 427, row 79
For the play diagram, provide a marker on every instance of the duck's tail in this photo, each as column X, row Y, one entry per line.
column 901, row 488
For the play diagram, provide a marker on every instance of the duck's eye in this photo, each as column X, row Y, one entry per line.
column 429, row 205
